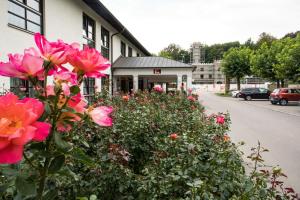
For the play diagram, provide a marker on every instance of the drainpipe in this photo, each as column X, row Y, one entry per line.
column 112, row 57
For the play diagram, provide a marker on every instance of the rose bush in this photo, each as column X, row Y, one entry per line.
column 36, row 138
column 163, row 146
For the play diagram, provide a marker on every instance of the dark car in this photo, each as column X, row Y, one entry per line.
column 254, row 93
column 284, row 95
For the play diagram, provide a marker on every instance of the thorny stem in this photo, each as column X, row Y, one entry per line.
column 44, row 171
column 29, row 161
column 256, row 160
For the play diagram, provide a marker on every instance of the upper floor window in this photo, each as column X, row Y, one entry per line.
column 129, row 52
column 26, row 15
column 105, row 42
column 210, row 76
column 88, row 31
column 123, row 49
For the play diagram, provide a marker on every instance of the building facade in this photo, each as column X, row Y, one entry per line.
column 205, row 73
column 208, row 73
column 87, row 22
column 143, row 73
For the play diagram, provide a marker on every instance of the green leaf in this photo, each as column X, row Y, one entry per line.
column 74, row 89
column 50, row 195
column 79, row 155
column 25, row 187
column 57, row 163
column 47, row 108
column 61, row 144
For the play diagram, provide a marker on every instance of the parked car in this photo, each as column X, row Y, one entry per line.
column 254, row 93
column 235, row 93
column 284, row 95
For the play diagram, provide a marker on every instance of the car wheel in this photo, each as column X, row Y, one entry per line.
column 248, row 98
column 273, row 102
column 283, row 102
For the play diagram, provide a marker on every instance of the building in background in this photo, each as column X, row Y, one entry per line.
column 205, row 73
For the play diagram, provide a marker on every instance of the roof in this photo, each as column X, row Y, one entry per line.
column 102, row 11
column 148, row 62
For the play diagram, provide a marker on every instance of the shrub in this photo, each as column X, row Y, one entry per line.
column 163, row 146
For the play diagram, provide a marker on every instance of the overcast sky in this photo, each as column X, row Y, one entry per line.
column 157, row 23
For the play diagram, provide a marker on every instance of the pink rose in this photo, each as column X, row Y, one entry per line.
column 19, row 125
column 220, row 119
column 100, row 115
column 23, row 67
column 88, row 62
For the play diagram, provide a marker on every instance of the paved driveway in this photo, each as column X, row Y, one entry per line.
column 276, row 127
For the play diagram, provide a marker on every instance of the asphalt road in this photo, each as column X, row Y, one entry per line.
column 276, row 127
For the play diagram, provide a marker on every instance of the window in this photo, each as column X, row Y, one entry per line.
column 26, row 15
column 89, row 89
column 202, row 76
column 129, row 52
column 263, row 90
column 105, row 43
column 201, row 69
column 210, row 76
column 137, row 55
column 88, row 31
column 20, row 86
column 105, row 83
column 123, row 49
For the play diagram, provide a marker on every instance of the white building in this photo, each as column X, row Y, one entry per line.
column 87, row 22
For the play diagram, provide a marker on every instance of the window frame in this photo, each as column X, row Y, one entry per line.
column 89, row 90
column 86, row 29
column 123, row 49
column 130, row 51
column 105, row 48
column 23, row 4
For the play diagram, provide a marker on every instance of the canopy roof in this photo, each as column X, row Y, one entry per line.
column 148, row 62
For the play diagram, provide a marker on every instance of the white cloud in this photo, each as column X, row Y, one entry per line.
column 156, row 23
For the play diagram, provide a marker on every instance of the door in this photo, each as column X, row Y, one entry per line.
column 255, row 93
column 263, row 93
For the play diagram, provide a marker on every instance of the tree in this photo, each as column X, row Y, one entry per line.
column 236, row 64
column 263, row 61
column 216, row 51
column 265, row 38
column 292, row 34
column 175, row 52
column 289, row 59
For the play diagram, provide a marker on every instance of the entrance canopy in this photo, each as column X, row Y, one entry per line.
column 134, row 73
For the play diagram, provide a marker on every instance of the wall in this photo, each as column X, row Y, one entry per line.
column 62, row 20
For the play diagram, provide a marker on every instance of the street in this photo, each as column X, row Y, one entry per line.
column 276, row 127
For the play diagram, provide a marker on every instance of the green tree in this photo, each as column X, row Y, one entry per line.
column 216, row 51
column 175, row 52
column 236, row 63
column 288, row 66
column 265, row 38
column 263, row 61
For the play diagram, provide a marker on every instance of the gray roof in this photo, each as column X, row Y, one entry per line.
column 148, row 62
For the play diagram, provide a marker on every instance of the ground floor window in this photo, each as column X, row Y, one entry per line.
column 21, row 87
column 89, row 89
column 105, row 83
